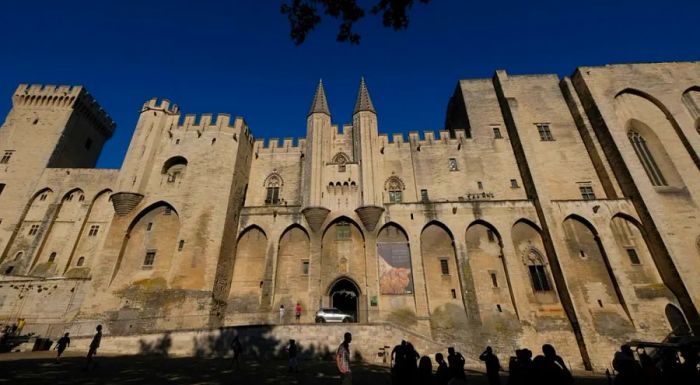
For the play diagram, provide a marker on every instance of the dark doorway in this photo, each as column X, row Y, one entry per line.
column 677, row 320
column 344, row 296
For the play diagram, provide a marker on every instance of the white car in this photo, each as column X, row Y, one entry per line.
column 331, row 314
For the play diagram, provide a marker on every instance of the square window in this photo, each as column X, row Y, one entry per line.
column 34, row 229
column 497, row 133
column 544, row 131
column 444, row 267
column 587, row 192
column 514, row 183
column 452, row 164
column 150, row 258
column 342, row 231
column 395, row 196
column 424, row 195
column 634, row 257
column 94, row 229
column 305, row 267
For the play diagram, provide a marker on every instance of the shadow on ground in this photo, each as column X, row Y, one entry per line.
column 40, row 368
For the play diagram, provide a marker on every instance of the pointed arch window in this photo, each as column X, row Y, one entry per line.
column 273, row 184
column 341, row 160
column 538, row 271
column 394, row 187
column 646, row 159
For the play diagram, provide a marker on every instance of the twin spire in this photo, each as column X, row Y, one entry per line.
column 363, row 102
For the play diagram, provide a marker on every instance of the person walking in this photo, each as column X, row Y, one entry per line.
column 297, row 312
column 94, row 345
column 236, row 347
column 61, row 345
column 342, row 360
column 281, row 314
column 456, row 361
column 292, row 352
column 493, row 366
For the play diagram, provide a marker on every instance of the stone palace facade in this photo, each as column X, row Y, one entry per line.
column 548, row 210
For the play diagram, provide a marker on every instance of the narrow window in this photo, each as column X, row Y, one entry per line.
column 2, row 187
column 514, row 183
column 52, row 257
column 181, row 245
column 69, row 197
column 587, row 192
column 545, row 132
column 454, row 293
column 494, row 279
column 342, row 231
column 444, row 267
column 177, row 141
column 582, row 254
column 498, row 307
column 149, row 226
column 94, row 229
column 35, row 122
column 34, row 229
column 490, row 236
column 88, row 143
column 424, row 195
column 539, row 278
column 480, row 185
column 497, row 133
column 6, row 157
column 81, row 198
column 634, row 258
column 395, row 196
column 81, row 261
column 305, row 267
column 150, row 258
column 43, row 196
column 646, row 159
column 600, row 303
column 19, row 255
column 452, row 164
column 273, row 194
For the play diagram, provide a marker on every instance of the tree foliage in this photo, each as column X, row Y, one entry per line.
column 305, row 15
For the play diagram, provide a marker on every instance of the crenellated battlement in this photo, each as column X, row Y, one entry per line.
column 63, row 96
column 160, row 105
column 272, row 145
column 428, row 138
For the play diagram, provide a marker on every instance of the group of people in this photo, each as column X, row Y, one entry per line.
column 547, row 368
column 408, row 367
column 297, row 313
column 671, row 370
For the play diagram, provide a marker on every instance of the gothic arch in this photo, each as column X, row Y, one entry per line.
column 394, row 259
column 250, row 227
column 441, row 268
column 340, row 158
column 249, row 268
column 530, row 223
column 343, row 218
column 343, row 251
column 71, row 194
column 292, row 267
column 154, row 230
column 274, row 179
column 394, row 183
column 674, row 124
column 490, row 227
column 691, row 105
column 177, row 160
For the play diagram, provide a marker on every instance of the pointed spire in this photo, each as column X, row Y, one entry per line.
column 320, row 104
column 364, row 102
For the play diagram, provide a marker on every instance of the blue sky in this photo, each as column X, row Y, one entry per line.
column 236, row 56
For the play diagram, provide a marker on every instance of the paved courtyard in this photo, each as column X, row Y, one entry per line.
column 40, row 368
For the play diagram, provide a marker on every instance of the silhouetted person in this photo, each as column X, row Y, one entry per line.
column 342, row 360
column 550, row 369
column 61, row 345
column 520, row 368
column 628, row 369
column 236, row 347
column 456, row 361
column 297, row 312
column 442, row 374
column 425, row 371
column 650, row 373
column 94, row 345
column 493, row 366
column 670, row 367
column 292, row 352
column 689, row 368
column 411, row 357
column 398, row 363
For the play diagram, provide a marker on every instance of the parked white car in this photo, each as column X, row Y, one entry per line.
column 331, row 314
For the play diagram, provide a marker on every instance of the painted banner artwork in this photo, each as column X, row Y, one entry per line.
column 395, row 276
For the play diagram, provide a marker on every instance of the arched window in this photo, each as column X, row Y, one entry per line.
column 273, row 184
column 394, row 187
column 52, row 257
column 341, row 160
column 647, row 160
column 538, row 271
column 174, row 168
column 81, row 261
column 19, row 255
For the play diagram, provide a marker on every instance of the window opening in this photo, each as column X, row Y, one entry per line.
column 150, row 258
column 545, row 132
column 634, row 257
column 444, row 267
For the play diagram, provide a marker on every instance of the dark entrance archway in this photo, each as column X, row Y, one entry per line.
column 677, row 320
column 345, row 296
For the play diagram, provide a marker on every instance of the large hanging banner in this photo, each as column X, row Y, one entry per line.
column 395, row 276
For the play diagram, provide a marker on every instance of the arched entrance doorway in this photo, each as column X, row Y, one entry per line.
column 345, row 296
column 677, row 320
